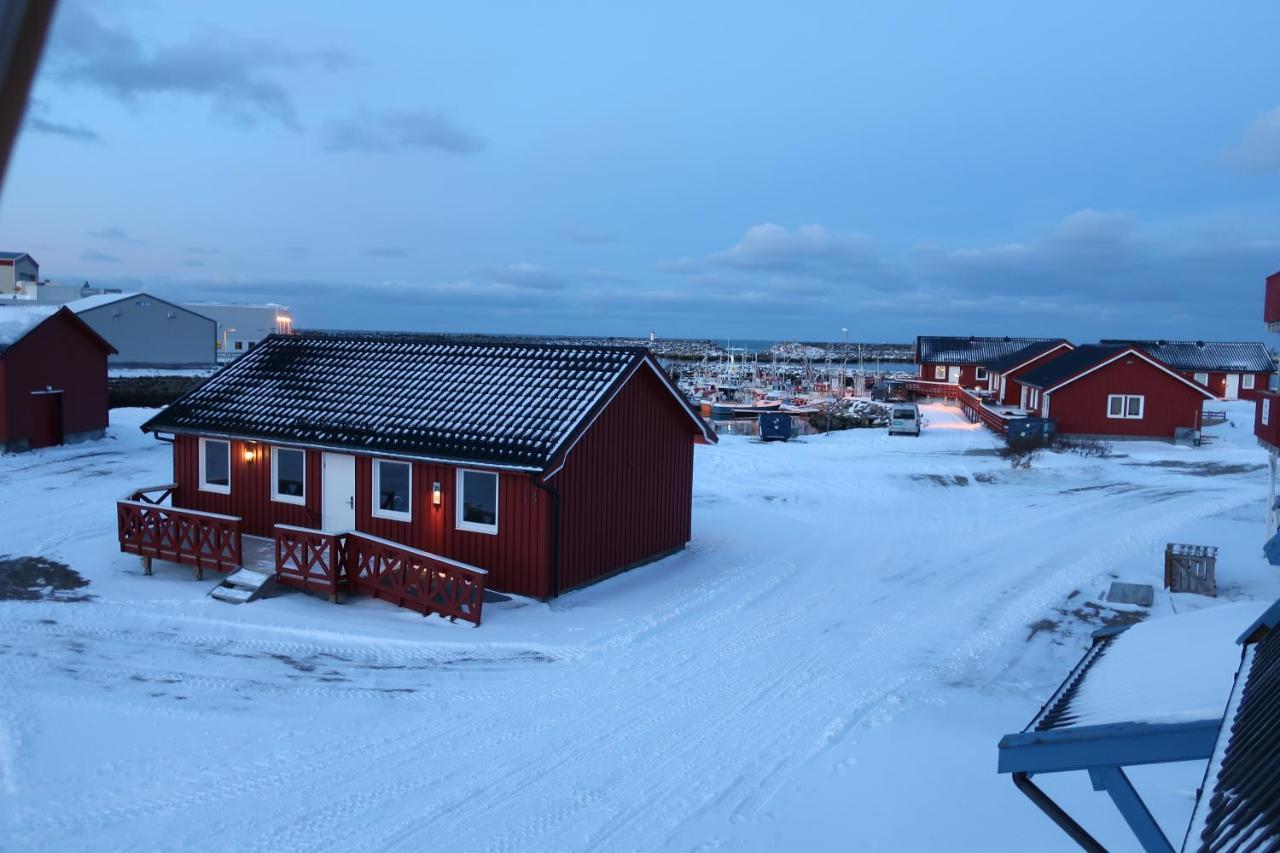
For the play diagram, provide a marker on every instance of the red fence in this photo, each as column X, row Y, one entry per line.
column 200, row 539
column 310, row 560
column 414, row 579
column 970, row 403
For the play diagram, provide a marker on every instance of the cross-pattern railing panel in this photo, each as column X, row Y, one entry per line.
column 202, row 539
column 310, row 560
column 415, row 579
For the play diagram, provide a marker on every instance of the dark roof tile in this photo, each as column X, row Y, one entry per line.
column 971, row 350
column 1207, row 356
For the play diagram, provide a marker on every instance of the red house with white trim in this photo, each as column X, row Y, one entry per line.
column 53, row 378
column 548, row 467
column 1232, row 370
column 1003, row 373
column 964, row 361
column 1114, row 392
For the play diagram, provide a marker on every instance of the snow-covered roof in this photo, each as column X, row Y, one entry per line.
column 1208, row 356
column 17, row 320
column 1168, row 670
column 507, row 405
column 936, row 349
column 88, row 302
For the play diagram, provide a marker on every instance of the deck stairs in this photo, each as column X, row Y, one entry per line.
column 243, row 586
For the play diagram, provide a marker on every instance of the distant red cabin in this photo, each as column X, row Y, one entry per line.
column 1114, row 392
column 965, row 361
column 548, row 466
column 53, row 378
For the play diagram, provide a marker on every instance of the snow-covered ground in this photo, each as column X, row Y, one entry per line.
column 829, row 665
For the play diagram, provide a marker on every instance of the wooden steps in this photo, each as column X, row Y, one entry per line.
column 243, row 586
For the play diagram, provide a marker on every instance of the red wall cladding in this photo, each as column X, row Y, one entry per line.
column 250, row 496
column 516, row 558
column 627, row 488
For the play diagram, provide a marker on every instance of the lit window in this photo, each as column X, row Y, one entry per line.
column 288, row 475
column 477, row 501
column 392, row 487
column 215, row 465
column 1247, row 381
column 940, row 372
column 1125, row 406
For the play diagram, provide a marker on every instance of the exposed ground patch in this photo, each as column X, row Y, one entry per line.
column 37, row 578
column 1200, row 469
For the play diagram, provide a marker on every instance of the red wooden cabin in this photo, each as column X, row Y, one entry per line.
column 53, row 378
column 1114, row 392
column 963, row 361
column 1003, row 373
column 1232, row 370
column 548, row 466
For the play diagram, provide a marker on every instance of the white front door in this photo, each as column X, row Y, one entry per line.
column 1233, row 386
column 338, row 494
column 953, row 375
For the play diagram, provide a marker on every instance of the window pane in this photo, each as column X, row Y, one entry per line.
column 393, row 486
column 289, row 472
column 1248, row 380
column 217, row 463
column 1116, row 406
column 479, row 497
column 1135, row 407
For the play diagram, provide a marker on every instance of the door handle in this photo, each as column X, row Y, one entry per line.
column 351, row 502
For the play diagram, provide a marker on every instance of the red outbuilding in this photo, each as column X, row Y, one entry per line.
column 53, row 378
column 1114, row 392
column 549, row 467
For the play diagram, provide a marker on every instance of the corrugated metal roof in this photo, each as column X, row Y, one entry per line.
column 14, row 256
column 502, row 404
column 932, row 349
column 1211, row 356
column 1239, row 806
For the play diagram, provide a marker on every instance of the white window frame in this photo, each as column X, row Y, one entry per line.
column 979, row 374
column 300, row 500
column 1248, row 381
column 940, row 372
column 376, row 482
column 1126, row 412
column 206, row 486
column 459, row 495
column 1266, row 411
column 1202, row 378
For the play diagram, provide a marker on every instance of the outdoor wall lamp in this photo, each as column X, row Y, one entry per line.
column 250, row 450
column 437, row 494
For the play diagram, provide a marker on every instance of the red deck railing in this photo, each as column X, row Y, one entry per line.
column 970, row 403
column 1266, row 419
column 310, row 560
column 414, row 579
column 200, row 539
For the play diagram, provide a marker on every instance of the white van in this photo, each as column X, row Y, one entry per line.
column 904, row 419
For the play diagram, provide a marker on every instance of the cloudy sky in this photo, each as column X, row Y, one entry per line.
column 770, row 170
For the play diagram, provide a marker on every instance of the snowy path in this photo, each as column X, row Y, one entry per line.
column 845, row 638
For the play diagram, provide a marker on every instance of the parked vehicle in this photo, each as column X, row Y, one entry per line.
column 904, row 419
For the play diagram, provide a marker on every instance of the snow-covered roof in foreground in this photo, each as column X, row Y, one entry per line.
column 1168, row 670
column 101, row 299
column 16, row 321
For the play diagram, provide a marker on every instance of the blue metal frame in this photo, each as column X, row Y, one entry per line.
column 1135, row 812
column 1110, row 745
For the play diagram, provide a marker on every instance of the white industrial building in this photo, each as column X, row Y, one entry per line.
column 242, row 326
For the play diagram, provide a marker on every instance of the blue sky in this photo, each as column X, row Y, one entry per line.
column 751, row 170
